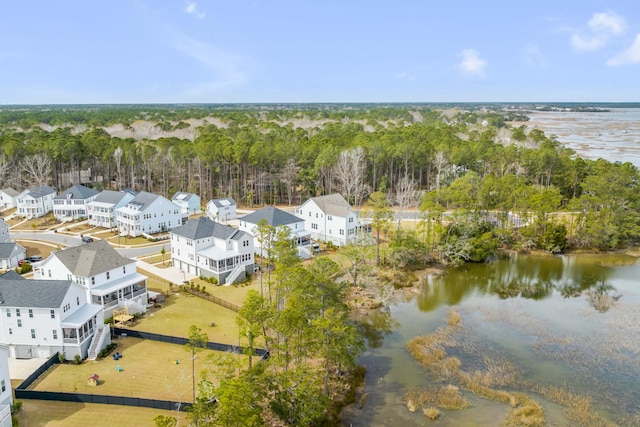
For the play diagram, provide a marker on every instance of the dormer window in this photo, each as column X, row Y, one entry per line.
column 108, row 275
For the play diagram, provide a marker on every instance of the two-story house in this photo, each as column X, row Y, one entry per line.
column 41, row 317
column 109, row 279
column 222, row 210
column 6, row 396
column 189, row 203
column 148, row 213
column 331, row 219
column 8, row 198
column 210, row 249
column 102, row 210
column 10, row 252
column 35, row 202
column 72, row 203
column 276, row 218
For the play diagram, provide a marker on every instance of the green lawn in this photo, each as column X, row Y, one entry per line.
column 69, row 414
column 182, row 310
column 148, row 370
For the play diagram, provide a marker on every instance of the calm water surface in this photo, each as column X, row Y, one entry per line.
column 536, row 312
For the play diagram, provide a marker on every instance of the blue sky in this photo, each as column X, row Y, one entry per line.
column 167, row 51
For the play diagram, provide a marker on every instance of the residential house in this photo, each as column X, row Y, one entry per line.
column 8, row 198
column 6, row 397
column 39, row 318
column 148, row 213
column 109, row 279
column 331, row 219
column 222, row 210
column 72, row 203
column 102, row 210
column 189, row 203
column 276, row 218
column 210, row 249
column 35, row 202
column 10, row 252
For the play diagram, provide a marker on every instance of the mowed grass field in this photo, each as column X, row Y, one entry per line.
column 149, row 370
column 36, row 413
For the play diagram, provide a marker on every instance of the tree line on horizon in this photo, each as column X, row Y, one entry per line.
column 471, row 160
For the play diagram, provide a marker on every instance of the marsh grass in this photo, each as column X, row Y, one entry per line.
column 431, row 413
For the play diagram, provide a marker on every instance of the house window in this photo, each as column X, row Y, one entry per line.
column 77, row 300
column 53, row 314
column 17, row 312
column 10, row 331
column 30, row 313
column 329, row 217
column 93, row 280
column 350, row 219
column 124, row 269
column 55, row 334
column 342, row 232
column 314, row 226
column 316, row 214
column 49, row 273
column 33, row 333
column 309, row 213
column 8, row 312
column 19, row 323
column 107, row 275
column 3, row 386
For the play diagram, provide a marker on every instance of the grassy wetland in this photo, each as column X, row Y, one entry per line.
column 560, row 347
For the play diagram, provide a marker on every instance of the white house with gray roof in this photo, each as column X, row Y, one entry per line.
column 210, row 249
column 72, row 203
column 147, row 214
column 35, row 202
column 278, row 218
column 8, row 198
column 189, row 203
column 330, row 218
column 6, row 396
column 102, row 210
column 222, row 210
column 10, row 252
column 109, row 279
column 41, row 317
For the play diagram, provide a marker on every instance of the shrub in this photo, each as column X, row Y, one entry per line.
column 61, row 357
column 77, row 359
column 16, row 406
column 108, row 349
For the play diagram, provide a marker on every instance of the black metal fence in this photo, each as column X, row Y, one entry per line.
column 182, row 341
column 211, row 298
column 21, row 392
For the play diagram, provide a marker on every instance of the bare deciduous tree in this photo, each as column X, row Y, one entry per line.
column 289, row 177
column 440, row 161
column 117, row 154
column 37, row 168
column 5, row 168
column 349, row 172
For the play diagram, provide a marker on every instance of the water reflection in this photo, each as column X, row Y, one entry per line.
column 528, row 277
column 375, row 326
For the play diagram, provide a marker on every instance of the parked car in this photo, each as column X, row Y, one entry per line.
column 87, row 239
column 35, row 258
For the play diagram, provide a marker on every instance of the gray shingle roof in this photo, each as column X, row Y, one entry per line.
column 90, row 259
column 143, row 199
column 77, row 192
column 110, row 196
column 220, row 204
column 200, row 228
column 180, row 195
column 40, row 191
column 274, row 217
column 32, row 293
column 10, row 191
column 333, row 204
column 6, row 249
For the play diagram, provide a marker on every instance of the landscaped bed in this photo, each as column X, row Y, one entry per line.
column 148, row 369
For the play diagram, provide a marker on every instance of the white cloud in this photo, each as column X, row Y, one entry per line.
column 192, row 9
column 223, row 66
column 607, row 23
column 602, row 27
column 472, row 63
column 403, row 75
column 533, row 56
column 629, row 56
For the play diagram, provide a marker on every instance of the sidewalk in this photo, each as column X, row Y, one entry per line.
column 171, row 274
